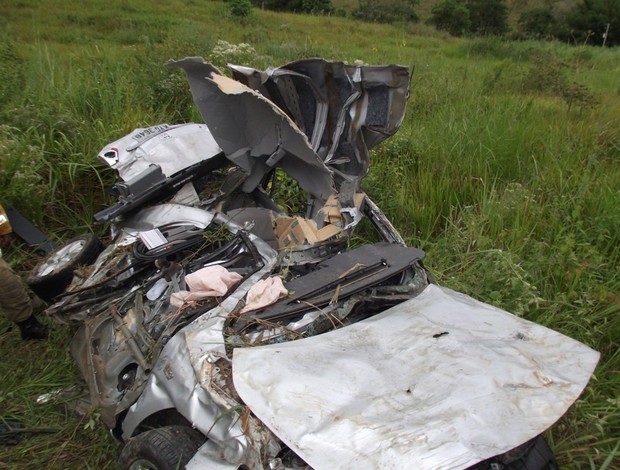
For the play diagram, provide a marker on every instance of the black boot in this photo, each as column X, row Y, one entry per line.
column 32, row 329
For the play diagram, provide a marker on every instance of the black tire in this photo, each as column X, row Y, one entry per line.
column 55, row 272
column 166, row 448
column 533, row 455
column 537, row 456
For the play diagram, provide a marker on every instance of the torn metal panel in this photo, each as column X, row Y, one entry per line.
column 253, row 132
column 345, row 110
column 385, row 92
column 441, row 381
column 164, row 214
column 187, row 377
column 171, row 147
column 103, row 368
column 155, row 167
column 294, row 93
column 173, row 384
column 381, row 222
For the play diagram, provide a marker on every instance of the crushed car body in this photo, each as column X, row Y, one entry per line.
column 255, row 338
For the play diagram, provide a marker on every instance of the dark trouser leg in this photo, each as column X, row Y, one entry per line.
column 14, row 300
column 17, row 306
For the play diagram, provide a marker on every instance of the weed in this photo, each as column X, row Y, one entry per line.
column 548, row 75
column 224, row 52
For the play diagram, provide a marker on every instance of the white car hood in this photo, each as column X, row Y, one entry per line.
column 441, row 381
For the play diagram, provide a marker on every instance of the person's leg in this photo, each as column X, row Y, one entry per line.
column 14, row 300
column 16, row 305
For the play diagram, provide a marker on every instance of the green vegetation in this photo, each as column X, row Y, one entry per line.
column 315, row 7
column 481, row 17
column 571, row 21
column 386, row 11
column 451, row 16
column 240, row 8
column 597, row 19
column 505, row 171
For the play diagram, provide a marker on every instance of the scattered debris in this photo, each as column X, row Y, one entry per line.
column 11, row 431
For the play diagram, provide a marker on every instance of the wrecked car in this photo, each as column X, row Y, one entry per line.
column 218, row 330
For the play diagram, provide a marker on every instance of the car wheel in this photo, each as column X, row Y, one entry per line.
column 54, row 274
column 533, row 455
column 166, row 448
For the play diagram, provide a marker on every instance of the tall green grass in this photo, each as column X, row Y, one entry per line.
column 505, row 171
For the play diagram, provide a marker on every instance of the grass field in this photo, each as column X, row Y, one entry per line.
column 505, row 171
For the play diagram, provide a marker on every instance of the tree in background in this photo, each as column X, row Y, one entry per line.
column 588, row 22
column 323, row 7
column 451, row 16
column 386, row 11
column 488, row 16
column 317, row 7
column 538, row 23
column 481, row 17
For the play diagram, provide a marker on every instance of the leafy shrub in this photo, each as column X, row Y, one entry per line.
column 478, row 238
column 538, row 23
column 317, row 7
column 451, row 16
column 481, row 17
column 548, row 75
column 386, row 11
column 488, row 16
column 240, row 8
column 306, row 6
